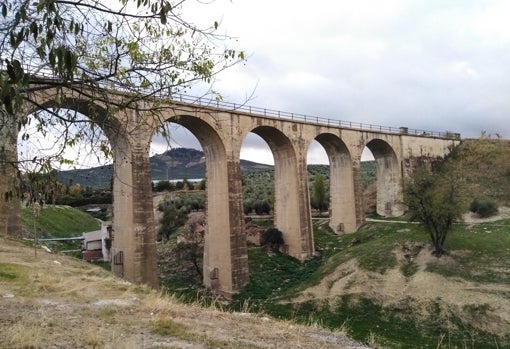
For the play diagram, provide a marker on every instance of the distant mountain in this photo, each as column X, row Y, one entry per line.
column 178, row 163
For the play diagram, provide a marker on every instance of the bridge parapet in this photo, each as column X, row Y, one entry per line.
column 271, row 113
column 317, row 120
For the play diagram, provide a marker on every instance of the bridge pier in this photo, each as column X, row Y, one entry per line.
column 389, row 179
column 225, row 272
column 306, row 248
column 134, row 255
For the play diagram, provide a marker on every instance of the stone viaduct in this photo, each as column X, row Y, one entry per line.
column 221, row 129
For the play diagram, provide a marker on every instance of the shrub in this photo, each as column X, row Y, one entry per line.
column 484, row 207
column 262, row 207
column 164, row 186
column 273, row 238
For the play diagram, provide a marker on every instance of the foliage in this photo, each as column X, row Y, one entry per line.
column 79, row 199
column 190, row 246
column 188, row 201
column 140, row 48
column 368, row 173
column 173, row 218
column 483, row 207
column 320, row 197
column 273, row 238
column 164, row 186
column 41, row 186
column 437, row 200
column 144, row 47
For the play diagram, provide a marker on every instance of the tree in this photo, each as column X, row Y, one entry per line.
column 143, row 48
column 484, row 207
column 164, row 186
column 319, row 193
column 436, row 200
column 191, row 244
column 171, row 221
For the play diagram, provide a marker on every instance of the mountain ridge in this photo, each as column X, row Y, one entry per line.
column 174, row 164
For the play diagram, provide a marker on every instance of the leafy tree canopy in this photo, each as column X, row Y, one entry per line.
column 141, row 47
column 436, row 200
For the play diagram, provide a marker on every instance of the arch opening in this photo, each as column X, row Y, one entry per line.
column 178, row 184
column 384, row 194
column 288, row 205
column 63, row 159
column 224, row 267
column 341, row 198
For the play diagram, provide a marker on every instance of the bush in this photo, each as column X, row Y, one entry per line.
column 273, row 238
column 484, row 207
column 262, row 207
column 164, row 186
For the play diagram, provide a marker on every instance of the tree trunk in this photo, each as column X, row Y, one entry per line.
column 10, row 203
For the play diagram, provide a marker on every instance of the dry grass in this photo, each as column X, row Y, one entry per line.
column 53, row 301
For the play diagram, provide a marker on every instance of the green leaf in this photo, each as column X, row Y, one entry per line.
column 4, row 10
column 34, row 29
column 51, row 58
column 162, row 16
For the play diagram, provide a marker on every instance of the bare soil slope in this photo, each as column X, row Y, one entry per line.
column 53, row 301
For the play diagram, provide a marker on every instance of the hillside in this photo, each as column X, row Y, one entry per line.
column 177, row 163
column 53, row 301
column 383, row 286
column 58, row 221
column 485, row 163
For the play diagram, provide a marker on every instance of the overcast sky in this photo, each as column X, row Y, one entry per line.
column 433, row 65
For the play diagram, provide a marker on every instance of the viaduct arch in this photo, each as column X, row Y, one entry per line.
column 221, row 129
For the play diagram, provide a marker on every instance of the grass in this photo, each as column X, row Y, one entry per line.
column 58, row 221
column 12, row 272
column 481, row 254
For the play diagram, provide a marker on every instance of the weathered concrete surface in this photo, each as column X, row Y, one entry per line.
column 221, row 134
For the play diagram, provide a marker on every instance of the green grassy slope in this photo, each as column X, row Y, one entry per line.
column 58, row 221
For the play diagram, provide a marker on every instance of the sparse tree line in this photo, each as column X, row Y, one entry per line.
column 165, row 185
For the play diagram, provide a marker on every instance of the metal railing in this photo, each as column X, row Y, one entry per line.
column 317, row 120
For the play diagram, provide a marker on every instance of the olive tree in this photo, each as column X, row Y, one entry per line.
column 436, row 200
column 319, row 194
